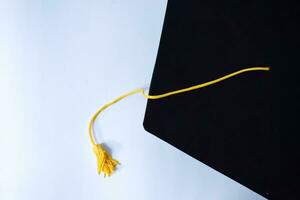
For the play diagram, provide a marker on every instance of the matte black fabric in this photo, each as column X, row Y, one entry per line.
column 237, row 126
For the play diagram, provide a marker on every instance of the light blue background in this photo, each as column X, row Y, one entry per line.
column 59, row 61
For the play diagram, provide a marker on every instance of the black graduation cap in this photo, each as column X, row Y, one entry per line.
column 228, row 126
column 246, row 127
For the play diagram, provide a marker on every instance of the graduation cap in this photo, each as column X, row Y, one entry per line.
column 210, row 94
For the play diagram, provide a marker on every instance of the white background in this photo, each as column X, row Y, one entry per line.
column 59, row 61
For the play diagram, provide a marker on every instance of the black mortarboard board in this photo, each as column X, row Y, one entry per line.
column 232, row 126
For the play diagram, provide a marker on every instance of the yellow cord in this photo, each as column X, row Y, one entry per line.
column 105, row 163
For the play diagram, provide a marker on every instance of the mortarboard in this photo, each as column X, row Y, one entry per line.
column 226, row 126
column 202, row 101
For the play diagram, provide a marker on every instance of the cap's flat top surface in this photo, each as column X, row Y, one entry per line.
column 226, row 126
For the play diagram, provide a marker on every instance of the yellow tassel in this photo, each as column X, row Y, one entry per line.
column 105, row 163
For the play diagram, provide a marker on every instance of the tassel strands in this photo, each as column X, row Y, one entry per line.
column 105, row 163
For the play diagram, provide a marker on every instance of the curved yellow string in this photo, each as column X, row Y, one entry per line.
column 105, row 163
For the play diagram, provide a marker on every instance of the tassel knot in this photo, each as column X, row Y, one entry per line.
column 105, row 163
